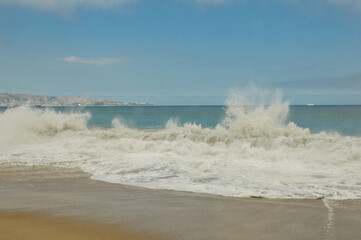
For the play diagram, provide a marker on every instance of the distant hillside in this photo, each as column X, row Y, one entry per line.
column 12, row 99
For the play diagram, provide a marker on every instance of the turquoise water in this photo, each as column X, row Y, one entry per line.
column 345, row 120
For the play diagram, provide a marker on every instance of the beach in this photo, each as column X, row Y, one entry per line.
column 180, row 120
column 49, row 192
column 255, row 175
column 21, row 225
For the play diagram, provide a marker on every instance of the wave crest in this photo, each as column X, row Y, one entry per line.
column 24, row 124
column 252, row 152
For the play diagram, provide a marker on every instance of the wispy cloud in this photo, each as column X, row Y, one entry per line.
column 70, row 5
column 99, row 61
column 66, row 6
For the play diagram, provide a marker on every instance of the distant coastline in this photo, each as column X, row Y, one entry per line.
column 31, row 100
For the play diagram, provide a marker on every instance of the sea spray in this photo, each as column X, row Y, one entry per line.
column 25, row 125
column 253, row 151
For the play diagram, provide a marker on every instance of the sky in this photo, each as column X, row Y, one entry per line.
column 182, row 52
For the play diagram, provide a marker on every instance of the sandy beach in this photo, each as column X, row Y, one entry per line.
column 31, row 226
column 67, row 203
column 180, row 120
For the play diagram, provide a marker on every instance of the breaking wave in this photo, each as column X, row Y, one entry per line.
column 252, row 152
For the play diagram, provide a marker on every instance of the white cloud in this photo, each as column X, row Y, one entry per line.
column 66, row 6
column 99, row 61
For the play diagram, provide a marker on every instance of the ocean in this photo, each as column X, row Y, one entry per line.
column 344, row 120
column 271, row 151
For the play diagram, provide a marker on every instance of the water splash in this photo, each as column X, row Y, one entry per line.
column 253, row 151
column 25, row 125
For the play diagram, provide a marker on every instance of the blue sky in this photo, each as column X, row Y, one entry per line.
column 182, row 51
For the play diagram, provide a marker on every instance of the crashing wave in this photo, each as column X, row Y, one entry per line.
column 252, row 152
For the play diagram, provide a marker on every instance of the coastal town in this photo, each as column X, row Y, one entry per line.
column 14, row 100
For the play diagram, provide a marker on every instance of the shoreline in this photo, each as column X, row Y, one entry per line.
column 62, row 192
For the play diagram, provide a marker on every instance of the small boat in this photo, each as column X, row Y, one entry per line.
column 310, row 104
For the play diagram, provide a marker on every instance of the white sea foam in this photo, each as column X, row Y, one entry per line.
column 25, row 125
column 252, row 152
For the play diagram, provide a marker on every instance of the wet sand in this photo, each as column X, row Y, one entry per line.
column 30, row 226
column 58, row 192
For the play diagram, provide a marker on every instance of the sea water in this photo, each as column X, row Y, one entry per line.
column 272, row 151
column 344, row 120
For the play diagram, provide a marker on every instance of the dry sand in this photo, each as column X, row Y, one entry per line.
column 59, row 192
